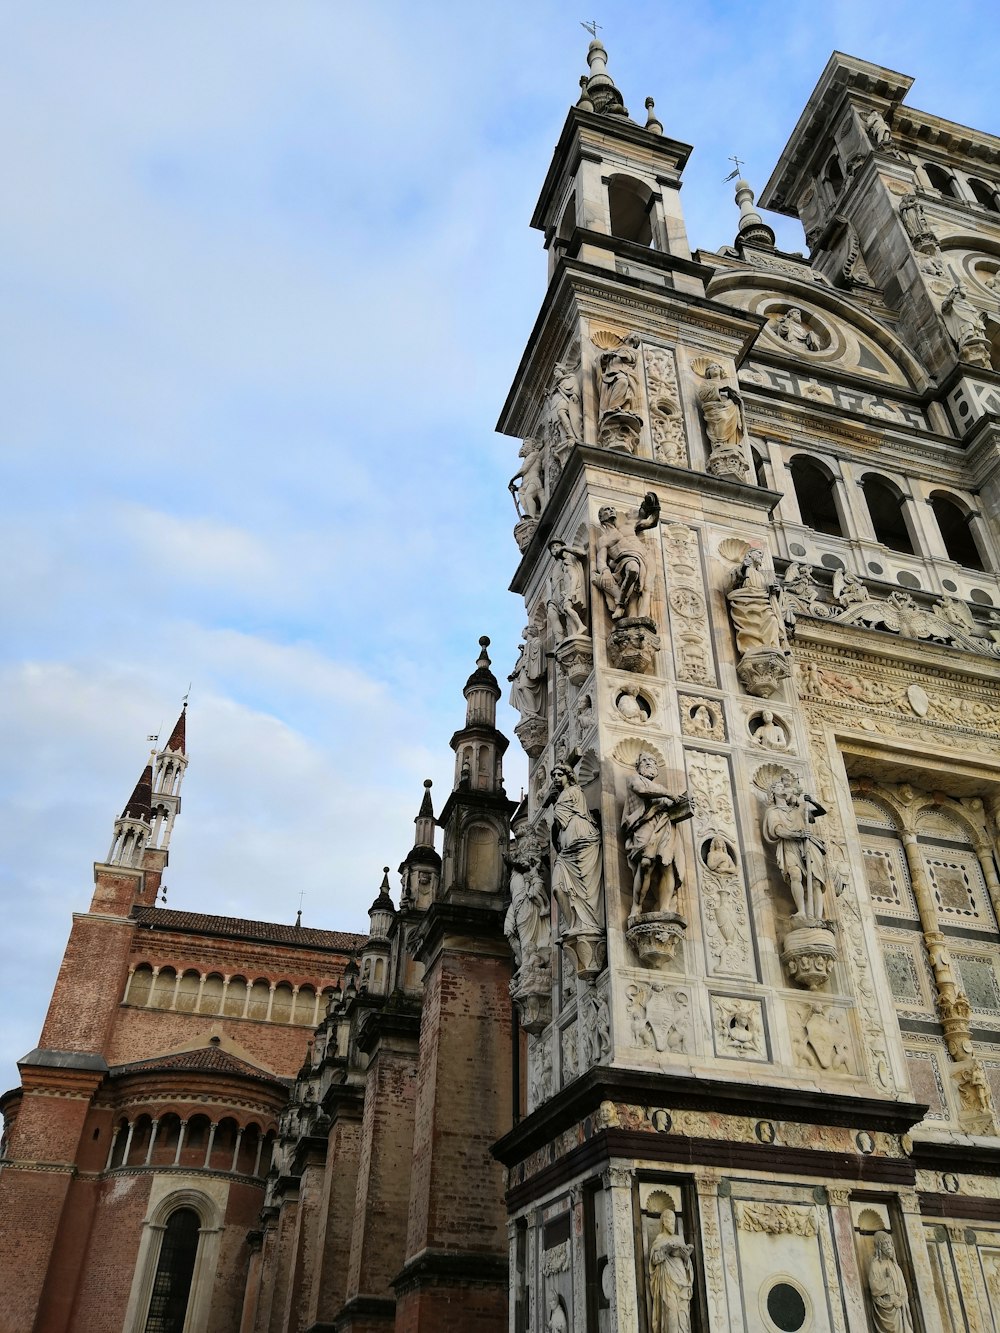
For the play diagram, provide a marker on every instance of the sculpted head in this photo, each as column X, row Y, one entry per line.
column 714, row 371
column 556, row 547
column 668, row 1221
column 883, row 1246
column 646, row 765
column 607, row 514
column 563, row 775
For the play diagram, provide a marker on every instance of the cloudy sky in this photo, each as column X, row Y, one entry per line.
column 265, row 275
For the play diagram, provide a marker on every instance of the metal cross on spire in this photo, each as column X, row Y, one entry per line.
column 739, row 163
column 592, row 27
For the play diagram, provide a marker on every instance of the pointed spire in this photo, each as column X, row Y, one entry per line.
column 384, row 900
column 752, row 226
column 481, row 690
column 424, row 835
column 599, row 88
column 652, row 124
column 177, row 741
column 140, row 804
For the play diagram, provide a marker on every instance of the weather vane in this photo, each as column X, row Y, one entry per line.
column 591, row 27
column 739, row 163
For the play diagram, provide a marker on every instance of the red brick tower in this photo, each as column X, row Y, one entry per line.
column 455, row 1274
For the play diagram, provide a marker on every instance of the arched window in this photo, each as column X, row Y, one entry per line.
column 304, row 1010
column 986, row 195
column 260, row 994
column 815, row 492
column 630, row 204
column 168, row 1302
column 281, row 1009
column 885, row 505
column 211, row 995
column 187, row 992
column 139, row 985
column 941, row 180
column 834, row 175
column 956, row 534
column 236, row 997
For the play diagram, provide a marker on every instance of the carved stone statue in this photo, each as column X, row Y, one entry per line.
column 529, row 496
column 576, row 872
column 671, row 1279
column 769, row 734
column 967, row 327
column 527, row 691
column 526, row 924
column 848, row 589
column 792, row 329
column 621, row 568
column 799, row 852
column 887, row 1289
column 566, row 409
column 653, row 849
column 878, row 131
column 725, row 424
column 556, row 1322
column 619, row 421
column 914, row 219
column 756, row 606
column 761, row 617
column 568, row 598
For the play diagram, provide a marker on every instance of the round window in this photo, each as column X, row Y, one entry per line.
column 786, row 1307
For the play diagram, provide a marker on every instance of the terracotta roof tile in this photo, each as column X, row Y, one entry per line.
column 266, row 932
column 206, row 1059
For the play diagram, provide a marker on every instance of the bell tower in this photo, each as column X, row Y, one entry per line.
column 686, row 959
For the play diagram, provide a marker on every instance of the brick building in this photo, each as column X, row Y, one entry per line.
column 705, row 1033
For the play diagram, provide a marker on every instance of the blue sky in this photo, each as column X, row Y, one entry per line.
column 265, row 274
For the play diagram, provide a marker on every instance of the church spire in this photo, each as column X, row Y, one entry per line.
column 170, row 764
column 752, row 229
column 421, row 868
column 132, row 826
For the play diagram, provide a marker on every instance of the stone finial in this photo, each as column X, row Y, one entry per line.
column 598, row 87
column 652, row 124
column 752, row 226
column 584, row 104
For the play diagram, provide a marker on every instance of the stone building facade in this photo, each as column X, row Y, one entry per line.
column 704, row 1033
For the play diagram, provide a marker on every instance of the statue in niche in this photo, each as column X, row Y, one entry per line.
column 769, row 734
column 966, row 325
column 621, row 570
column 722, row 408
column 792, row 329
column 652, row 846
column 757, row 607
column 576, row 873
column 627, row 704
column 529, row 496
column 619, row 385
column 718, row 858
column 702, row 721
column 878, row 131
column 566, row 409
column 568, row 599
column 527, row 680
column 557, row 1322
column 527, row 924
column 887, row 1289
column 914, row 219
column 671, row 1278
column 800, row 854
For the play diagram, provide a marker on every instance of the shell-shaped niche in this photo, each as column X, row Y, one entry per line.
column 627, row 752
column 768, row 774
column 733, row 549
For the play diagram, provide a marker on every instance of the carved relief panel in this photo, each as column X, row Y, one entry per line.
column 690, row 630
column 719, row 867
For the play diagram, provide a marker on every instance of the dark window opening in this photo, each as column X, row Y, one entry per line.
column 758, row 467
column 814, row 490
column 630, row 204
column 834, row 175
column 956, row 533
column 172, row 1283
column 886, row 510
column 986, row 195
column 941, row 180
